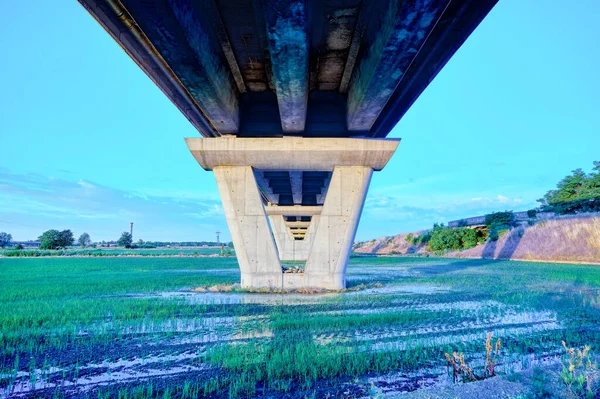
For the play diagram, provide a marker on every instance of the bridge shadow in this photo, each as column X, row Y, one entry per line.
column 489, row 251
column 493, row 251
column 450, row 267
column 505, row 247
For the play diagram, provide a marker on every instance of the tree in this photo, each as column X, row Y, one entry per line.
column 5, row 239
column 54, row 239
column 66, row 238
column 577, row 192
column 84, row 240
column 125, row 240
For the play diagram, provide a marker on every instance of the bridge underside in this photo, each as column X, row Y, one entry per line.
column 274, row 71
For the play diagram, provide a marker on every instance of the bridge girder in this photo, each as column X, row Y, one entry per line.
column 270, row 68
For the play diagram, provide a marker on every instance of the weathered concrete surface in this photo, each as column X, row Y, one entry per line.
column 326, row 240
column 402, row 32
column 287, row 27
column 194, row 56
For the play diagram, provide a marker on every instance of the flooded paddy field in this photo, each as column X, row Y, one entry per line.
column 133, row 327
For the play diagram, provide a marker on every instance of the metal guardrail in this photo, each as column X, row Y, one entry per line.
column 520, row 217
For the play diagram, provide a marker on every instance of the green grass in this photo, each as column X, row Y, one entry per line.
column 62, row 295
column 101, row 252
column 72, row 312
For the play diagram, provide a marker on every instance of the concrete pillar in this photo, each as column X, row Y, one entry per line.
column 287, row 246
column 328, row 241
column 250, row 233
column 326, row 264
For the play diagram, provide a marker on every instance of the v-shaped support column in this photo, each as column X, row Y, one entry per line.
column 250, row 233
column 328, row 258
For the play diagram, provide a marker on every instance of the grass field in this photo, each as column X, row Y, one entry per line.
column 131, row 327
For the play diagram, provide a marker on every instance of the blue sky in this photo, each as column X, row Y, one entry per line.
column 87, row 142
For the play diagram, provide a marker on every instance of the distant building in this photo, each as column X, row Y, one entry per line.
column 27, row 244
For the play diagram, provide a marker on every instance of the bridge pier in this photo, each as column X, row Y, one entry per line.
column 328, row 258
column 250, row 232
column 289, row 248
column 292, row 198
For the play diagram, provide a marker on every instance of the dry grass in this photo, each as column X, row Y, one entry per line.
column 219, row 288
column 572, row 238
column 569, row 238
column 461, row 370
column 389, row 245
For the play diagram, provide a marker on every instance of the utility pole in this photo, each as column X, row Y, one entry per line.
column 218, row 232
column 131, row 230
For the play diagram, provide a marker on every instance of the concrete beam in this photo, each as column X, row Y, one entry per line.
column 296, row 183
column 119, row 23
column 291, row 153
column 403, row 30
column 264, row 188
column 457, row 22
column 297, row 224
column 354, row 46
column 297, row 229
column 210, row 6
column 293, row 210
column 286, row 25
column 184, row 39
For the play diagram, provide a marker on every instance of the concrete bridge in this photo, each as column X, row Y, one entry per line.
column 294, row 99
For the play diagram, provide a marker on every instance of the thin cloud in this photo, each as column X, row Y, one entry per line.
column 35, row 203
column 388, row 213
column 85, row 184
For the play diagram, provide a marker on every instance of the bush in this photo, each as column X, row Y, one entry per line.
column 410, row 238
column 54, row 239
column 505, row 219
column 422, row 239
column 448, row 239
column 532, row 213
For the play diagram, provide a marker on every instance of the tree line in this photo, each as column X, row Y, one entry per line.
column 55, row 239
column 576, row 193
